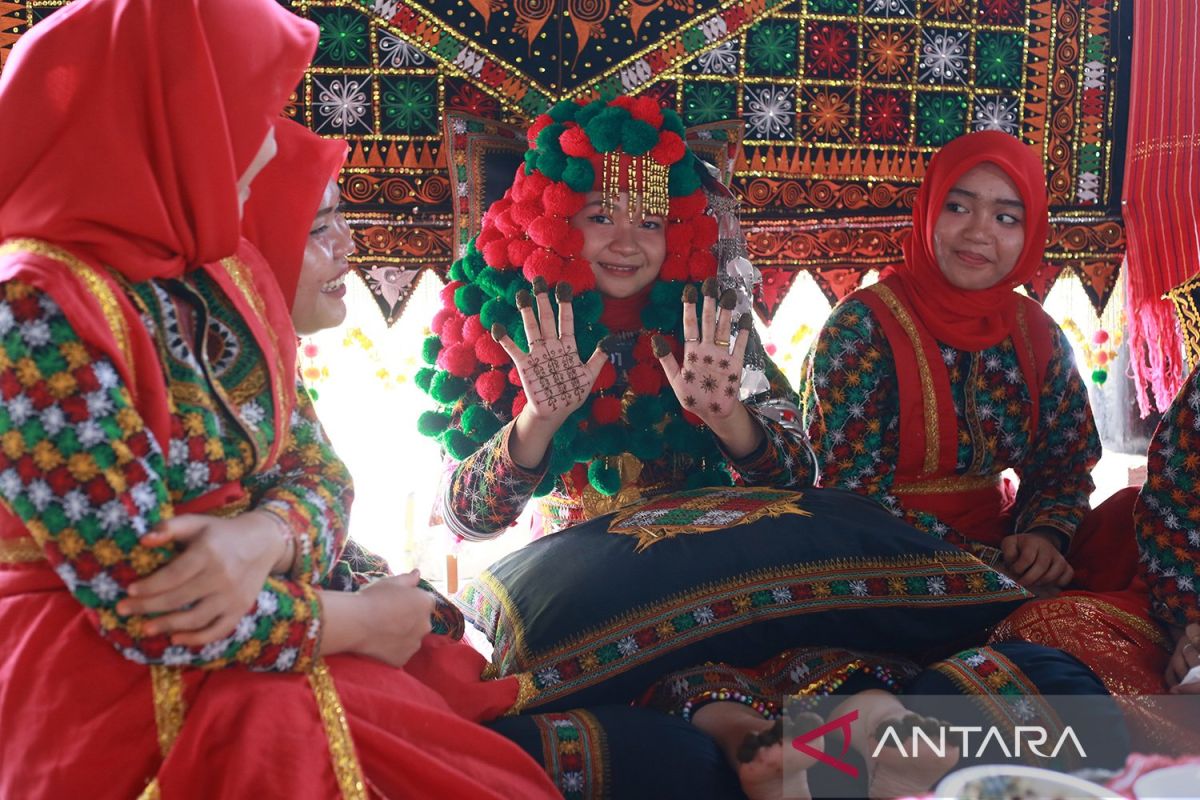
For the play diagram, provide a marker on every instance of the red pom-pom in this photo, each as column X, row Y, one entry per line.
column 701, row 265
column 514, row 377
column 525, row 213
column 688, row 206
column 441, row 318
column 572, row 243
column 679, row 237
column 642, row 349
column 674, row 268
column 669, row 150
column 646, row 109
column 549, row 231
column 646, row 378
column 606, row 410
column 518, row 403
column 692, row 419
column 562, row 200
column 530, row 187
column 543, row 264
column 458, row 359
column 489, row 351
column 624, row 101
column 705, row 228
column 578, row 273
column 495, row 254
column 574, row 142
column 519, row 250
column 452, row 332
column 490, row 386
column 606, row 379
column 498, row 207
column 488, row 234
column 541, row 122
column 447, row 295
column 472, row 329
column 505, row 223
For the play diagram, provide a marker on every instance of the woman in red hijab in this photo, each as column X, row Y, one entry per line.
column 171, row 507
column 924, row 388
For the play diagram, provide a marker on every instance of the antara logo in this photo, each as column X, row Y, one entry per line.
column 842, row 723
column 1031, row 736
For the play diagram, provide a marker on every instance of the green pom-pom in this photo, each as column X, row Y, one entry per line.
column 579, row 175
column 667, row 293
column 468, row 299
column 682, row 179
column 497, row 310
column 458, row 271
column 447, row 388
column 663, row 317
column 563, row 110
column 604, row 130
column 586, row 114
column 588, row 307
column 423, row 378
column 313, row 394
column 510, row 292
column 583, row 447
column 604, row 479
column 433, row 423
column 637, row 137
column 1099, row 376
column 561, row 460
column 586, row 340
column 547, row 138
column 608, row 439
column 644, row 412
column 516, row 332
column 479, row 423
column 646, row 445
column 681, row 437
column 551, row 163
column 457, row 444
column 430, row 349
column 547, row 485
column 531, row 159
column 493, row 282
column 672, row 121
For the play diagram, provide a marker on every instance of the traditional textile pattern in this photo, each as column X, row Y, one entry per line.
column 574, row 746
column 1167, row 514
column 700, row 511
column 66, row 420
column 850, row 385
column 710, row 609
column 843, row 102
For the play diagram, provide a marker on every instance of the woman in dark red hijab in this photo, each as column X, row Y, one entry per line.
column 171, row 507
column 923, row 388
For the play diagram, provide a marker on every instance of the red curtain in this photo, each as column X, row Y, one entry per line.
column 1162, row 188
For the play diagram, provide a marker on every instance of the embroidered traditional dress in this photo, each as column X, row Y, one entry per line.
column 144, row 375
column 928, row 429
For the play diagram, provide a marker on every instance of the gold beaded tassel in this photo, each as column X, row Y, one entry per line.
column 655, row 199
column 647, row 181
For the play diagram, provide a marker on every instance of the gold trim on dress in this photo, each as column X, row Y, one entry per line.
column 346, row 766
column 948, row 485
column 151, row 792
column 931, row 419
column 169, row 708
column 22, row 550
column 1183, row 297
column 95, row 284
column 526, row 692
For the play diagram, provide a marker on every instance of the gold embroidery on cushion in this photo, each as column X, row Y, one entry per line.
column 702, row 511
column 337, row 731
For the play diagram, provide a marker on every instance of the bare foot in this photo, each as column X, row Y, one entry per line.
column 755, row 749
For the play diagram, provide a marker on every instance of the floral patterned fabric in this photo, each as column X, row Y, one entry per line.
column 487, row 492
column 852, row 411
column 1167, row 514
column 80, row 469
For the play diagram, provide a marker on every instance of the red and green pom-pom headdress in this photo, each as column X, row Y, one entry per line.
column 612, row 146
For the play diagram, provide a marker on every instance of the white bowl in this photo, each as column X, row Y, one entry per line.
column 1012, row 781
column 1182, row 781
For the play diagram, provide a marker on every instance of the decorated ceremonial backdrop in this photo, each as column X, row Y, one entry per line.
column 843, row 102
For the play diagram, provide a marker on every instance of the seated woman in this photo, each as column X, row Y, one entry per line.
column 922, row 389
column 171, row 506
column 611, row 210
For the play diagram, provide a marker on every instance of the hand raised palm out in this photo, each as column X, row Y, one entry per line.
column 556, row 381
column 709, row 382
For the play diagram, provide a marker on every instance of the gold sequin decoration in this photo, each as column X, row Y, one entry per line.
column 931, row 420
column 1183, row 297
column 22, row 550
column 169, row 710
column 346, row 766
column 950, row 485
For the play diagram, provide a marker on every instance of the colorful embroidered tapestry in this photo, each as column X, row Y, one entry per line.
column 843, row 102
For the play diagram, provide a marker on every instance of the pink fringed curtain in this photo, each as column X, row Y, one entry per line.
column 1162, row 188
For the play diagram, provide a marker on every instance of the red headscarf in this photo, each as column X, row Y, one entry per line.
column 135, row 119
column 963, row 318
column 286, row 197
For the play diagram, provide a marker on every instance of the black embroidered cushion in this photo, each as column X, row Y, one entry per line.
column 595, row 614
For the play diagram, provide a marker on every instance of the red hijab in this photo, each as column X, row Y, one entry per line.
column 136, row 118
column 286, row 197
column 963, row 318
